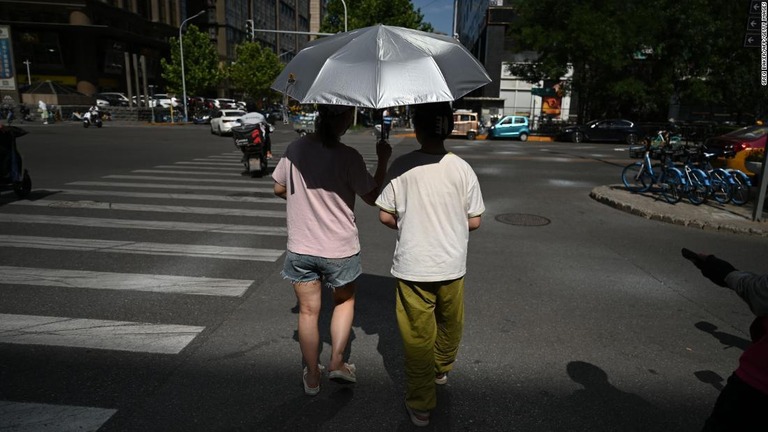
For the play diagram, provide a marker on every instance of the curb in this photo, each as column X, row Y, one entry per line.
column 723, row 218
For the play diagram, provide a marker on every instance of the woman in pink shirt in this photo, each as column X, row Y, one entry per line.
column 320, row 178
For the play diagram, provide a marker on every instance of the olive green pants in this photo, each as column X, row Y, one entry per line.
column 431, row 319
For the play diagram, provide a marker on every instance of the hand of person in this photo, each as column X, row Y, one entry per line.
column 716, row 270
column 712, row 267
column 383, row 150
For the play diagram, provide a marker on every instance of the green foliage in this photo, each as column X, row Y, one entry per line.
column 254, row 70
column 365, row 13
column 693, row 53
column 201, row 64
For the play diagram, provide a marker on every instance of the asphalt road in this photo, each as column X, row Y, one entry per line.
column 140, row 291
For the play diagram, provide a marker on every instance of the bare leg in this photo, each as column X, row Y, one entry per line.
column 309, row 296
column 341, row 323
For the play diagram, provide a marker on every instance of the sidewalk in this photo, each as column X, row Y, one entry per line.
column 710, row 215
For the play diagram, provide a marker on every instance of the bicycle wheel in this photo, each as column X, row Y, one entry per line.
column 672, row 185
column 699, row 188
column 720, row 185
column 636, row 178
column 740, row 187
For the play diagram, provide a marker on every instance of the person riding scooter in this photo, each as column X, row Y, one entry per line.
column 93, row 116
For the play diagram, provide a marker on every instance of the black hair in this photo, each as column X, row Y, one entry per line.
column 323, row 126
column 434, row 119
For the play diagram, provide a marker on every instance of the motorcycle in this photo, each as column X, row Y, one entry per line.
column 254, row 140
column 12, row 172
column 93, row 116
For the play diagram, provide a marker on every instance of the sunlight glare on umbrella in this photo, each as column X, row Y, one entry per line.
column 381, row 66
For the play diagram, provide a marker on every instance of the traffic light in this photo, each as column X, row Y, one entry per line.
column 249, row 29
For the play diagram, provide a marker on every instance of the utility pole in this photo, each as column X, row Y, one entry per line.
column 29, row 75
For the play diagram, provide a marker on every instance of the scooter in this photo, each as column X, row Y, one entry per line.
column 254, row 140
column 12, row 172
column 92, row 117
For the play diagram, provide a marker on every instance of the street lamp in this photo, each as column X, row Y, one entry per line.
column 181, row 52
column 345, row 14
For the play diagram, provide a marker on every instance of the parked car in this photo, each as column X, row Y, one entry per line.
column 604, row 130
column 223, row 120
column 162, row 100
column 741, row 142
column 465, row 124
column 114, row 99
column 511, row 126
column 224, row 103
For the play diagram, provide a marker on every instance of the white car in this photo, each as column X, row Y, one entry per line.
column 222, row 121
column 162, row 100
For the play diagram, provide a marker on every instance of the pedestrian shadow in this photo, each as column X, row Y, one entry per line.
column 726, row 339
column 305, row 414
column 710, row 377
column 376, row 315
column 600, row 406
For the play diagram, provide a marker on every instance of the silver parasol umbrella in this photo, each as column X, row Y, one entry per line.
column 381, row 66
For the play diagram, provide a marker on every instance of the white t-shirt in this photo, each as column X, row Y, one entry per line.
column 322, row 184
column 432, row 197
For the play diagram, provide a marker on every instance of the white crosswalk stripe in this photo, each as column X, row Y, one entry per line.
column 144, row 224
column 175, row 179
column 96, row 334
column 173, row 196
column 269, row 190
column 123, row 281
column 140, row 248
column 35, row 417
column 164, row 190
column 100, row 205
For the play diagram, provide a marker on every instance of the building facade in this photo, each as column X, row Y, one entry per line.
column 481, row 26
column 116, row 45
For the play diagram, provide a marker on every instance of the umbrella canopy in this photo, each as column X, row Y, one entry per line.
column 381, row 66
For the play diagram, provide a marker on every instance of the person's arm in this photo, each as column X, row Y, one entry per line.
column 280, row 190
column 388, row 219
column 383, row 151
column 474, row 222
column 752, row 288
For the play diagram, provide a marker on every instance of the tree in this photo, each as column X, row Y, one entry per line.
column 365, row 13
column 201, row 64
column 254, row 70
column 629, row 59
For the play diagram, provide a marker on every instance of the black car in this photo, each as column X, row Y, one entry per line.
column 619, row 130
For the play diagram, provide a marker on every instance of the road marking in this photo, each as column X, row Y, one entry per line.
column 228, row 173
column 169, row 186
column 171, row 196
column 96, row 334
column 34, row 417
column 167, row 284
column 175, row 179
column 100, row 205
column 207, row 163
column 141, row 248
column 197, row 168
column 145, row 224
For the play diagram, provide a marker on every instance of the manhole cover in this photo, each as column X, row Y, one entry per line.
column 522, row 219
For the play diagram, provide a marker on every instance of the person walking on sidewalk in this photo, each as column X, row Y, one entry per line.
column 433, row 200
column 320, row 177
column 742, row 402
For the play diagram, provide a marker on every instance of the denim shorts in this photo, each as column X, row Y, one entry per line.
column 335, row 272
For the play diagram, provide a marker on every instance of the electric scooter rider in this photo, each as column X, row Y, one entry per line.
column 93, row 116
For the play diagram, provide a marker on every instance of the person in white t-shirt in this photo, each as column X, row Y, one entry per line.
column 320, row 178
column 433, row 200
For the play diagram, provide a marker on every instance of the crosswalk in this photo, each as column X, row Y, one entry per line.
column 200, row 209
